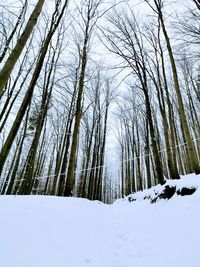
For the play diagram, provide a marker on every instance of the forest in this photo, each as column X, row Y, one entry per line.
column 98, row 99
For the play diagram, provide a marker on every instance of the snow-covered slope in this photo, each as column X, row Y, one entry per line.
column 61, row 232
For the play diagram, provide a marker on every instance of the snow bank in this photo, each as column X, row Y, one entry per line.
column 59, row 232
column 187, row 185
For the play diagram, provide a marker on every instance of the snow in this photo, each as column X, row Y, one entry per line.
column 186, row 181
column 39, row 231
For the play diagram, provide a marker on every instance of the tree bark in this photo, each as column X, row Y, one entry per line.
column 17, row 50
column 191, row 148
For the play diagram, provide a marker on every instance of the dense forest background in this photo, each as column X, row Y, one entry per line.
column 82, row 82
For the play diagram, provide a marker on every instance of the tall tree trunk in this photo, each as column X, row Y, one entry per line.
column 28, row 96
column 170, row 115
column 18, row 157
column 28, row 176
column 61, row 174
column 190, row 144
column 158, row 163
column 147, row 157
column 17, row 50
column 102, row 143
column 72, row 158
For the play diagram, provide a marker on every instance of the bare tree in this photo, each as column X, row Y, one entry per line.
column 127, row 42
column 197, row 3
column 157, row 7
column 89, row 15
column 21, row 42
column 55, row 21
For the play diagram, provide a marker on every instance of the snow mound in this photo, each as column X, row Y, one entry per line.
column 187, row 185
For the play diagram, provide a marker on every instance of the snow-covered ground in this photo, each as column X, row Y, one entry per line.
column 68, row 232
